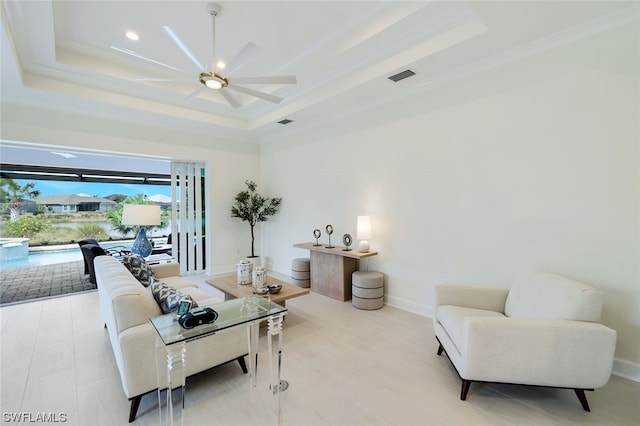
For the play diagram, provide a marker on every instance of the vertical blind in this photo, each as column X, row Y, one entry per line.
column 188, row 227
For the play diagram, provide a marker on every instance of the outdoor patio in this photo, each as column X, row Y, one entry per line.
column 35, row 282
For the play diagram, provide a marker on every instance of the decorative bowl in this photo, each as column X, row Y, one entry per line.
column 261, row 291
column 274, row 288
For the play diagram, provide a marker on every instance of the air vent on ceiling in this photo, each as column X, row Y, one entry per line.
column 402, row 75
column 285, row 121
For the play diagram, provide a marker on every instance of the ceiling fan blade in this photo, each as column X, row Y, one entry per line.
column 229, row 97
column 261, row 95
column 183, row 47
column 154, row 79
column 249, row 52
column 276, row 79
column 135, row 55
column 195, row 93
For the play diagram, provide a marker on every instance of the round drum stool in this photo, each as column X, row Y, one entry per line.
column 300, row 272
column 367, row 290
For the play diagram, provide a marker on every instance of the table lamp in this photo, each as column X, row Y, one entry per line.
column 141, row 215
column 363, row 232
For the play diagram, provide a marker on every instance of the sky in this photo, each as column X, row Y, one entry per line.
column 50, row 187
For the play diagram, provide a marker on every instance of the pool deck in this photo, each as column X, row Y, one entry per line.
column 35, row 282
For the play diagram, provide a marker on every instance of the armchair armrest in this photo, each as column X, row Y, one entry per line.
column 562, row 353
column 487, row 298
column 164, row 270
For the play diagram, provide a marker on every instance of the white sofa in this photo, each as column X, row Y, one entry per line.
column 544, row 331
column 127, row 307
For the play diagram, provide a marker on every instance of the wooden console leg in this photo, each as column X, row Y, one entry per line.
column 583, row 399
column 135, row 403
column 465, row 389
column 440, row 349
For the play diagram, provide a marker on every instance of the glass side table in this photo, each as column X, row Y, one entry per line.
column 242, row 312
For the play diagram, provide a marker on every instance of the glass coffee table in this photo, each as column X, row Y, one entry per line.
column 242, row 312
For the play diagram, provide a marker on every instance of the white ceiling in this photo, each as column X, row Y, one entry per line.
column 58, row 54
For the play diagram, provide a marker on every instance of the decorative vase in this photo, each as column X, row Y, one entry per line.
column 245, row 270
column 256, row 261
column 259, row 279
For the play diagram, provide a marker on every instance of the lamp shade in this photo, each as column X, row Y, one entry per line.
column 363, row 230
column 141, row 214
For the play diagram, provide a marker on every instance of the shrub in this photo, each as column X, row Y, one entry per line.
column 53, row 235
column 26, row 226
column 91, row 230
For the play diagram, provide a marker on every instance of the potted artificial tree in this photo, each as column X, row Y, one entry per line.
column 253, row 208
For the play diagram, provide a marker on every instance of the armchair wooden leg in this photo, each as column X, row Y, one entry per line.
column 440, row 349
column 243, row 364
column 583, row 399
column 465, row 389
column 135, row 403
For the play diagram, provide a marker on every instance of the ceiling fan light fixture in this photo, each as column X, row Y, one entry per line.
column 213, row 84
column 213, row 80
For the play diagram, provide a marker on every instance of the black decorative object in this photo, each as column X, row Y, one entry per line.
column 329, row 230
column 196, row 318
column 316, row 234
column 347, row 240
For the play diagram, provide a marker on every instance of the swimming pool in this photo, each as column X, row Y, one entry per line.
column 49, row 257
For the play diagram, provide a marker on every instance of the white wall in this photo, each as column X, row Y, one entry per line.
column 530, row 166
column 229, row 163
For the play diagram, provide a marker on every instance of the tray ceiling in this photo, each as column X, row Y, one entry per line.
column 58, row 54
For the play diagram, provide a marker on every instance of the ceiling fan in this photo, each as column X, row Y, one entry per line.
column 209, row 77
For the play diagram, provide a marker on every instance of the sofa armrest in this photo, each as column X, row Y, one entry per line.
column 163, row 270
column 560, row 353
column 486, row 298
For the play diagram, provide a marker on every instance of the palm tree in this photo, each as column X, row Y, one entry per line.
column 12, row 194
column 115, row 215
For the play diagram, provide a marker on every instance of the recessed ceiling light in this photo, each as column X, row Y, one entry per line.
column 131, row 35
column 221, row 65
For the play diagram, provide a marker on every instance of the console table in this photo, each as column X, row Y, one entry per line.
column 331, row 269
column 242, row 312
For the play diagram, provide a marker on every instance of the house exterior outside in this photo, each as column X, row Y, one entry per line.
column 28, row 206
column 71, row 203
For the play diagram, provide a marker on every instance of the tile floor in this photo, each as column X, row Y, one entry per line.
column 345, row 367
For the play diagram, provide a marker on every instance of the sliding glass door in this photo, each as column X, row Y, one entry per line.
column 188, row 225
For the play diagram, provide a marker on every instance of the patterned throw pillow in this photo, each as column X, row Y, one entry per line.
column 168, row 298
column 139, row 268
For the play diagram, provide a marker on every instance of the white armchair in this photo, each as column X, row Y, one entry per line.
column 544, row 331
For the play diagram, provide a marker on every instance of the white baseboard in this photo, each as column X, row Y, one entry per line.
column 407, row 305
column 623, row 368
column 627, row 369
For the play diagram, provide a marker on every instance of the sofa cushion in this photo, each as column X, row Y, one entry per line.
column 169, row 298
column 139, row 268
column 549, row 296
